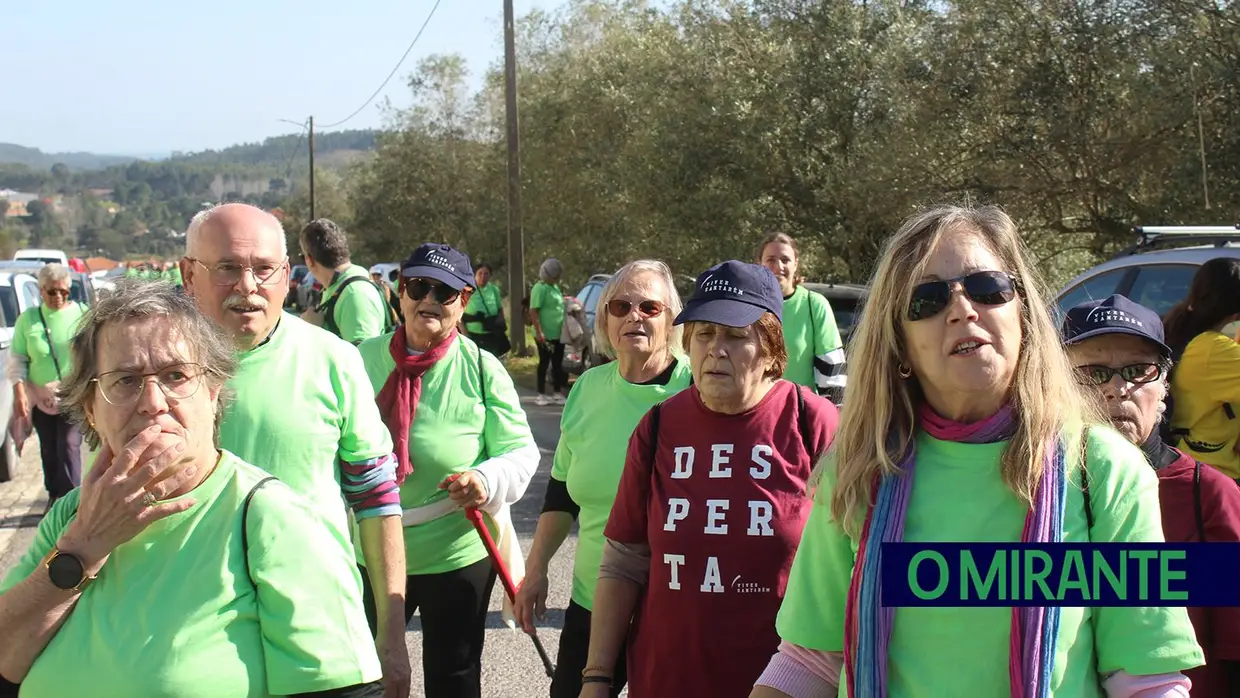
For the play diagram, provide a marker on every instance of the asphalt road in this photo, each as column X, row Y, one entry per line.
column 511, row 667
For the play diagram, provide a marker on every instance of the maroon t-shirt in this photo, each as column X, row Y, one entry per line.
column 1218, row 629
column 722, row 508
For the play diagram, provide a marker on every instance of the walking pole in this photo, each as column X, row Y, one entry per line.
column 475, row 517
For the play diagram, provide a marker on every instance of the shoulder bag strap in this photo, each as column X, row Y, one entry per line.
column 654, row 433
column 1089, row 509
column 245, row 524
column 803, row 425
column 1197, row 510
column 482, row 386
column 51, row 348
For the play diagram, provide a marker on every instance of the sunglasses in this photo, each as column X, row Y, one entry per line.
column 647, row 308
column 982, row 287
column 1132, row 373
column 63, row 293
column 417, row 289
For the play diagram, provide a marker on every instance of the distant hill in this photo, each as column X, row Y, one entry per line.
column 39, row 160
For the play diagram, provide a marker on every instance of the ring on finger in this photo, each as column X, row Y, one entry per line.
column 148, row 499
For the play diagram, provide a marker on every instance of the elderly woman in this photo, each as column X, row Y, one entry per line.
column 484, row 316
column 815, row 350
column 1117, row 348
column 634, row 325
column 963, row 384
column 38, row 361
column 176, row 569
column 462, row 441
column 547, row 317
column 710, row 505
column 1206, row 384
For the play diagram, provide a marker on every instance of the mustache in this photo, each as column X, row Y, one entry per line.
column 236, row 300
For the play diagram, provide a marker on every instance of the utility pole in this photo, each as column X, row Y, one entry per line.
column 516, row 243
column 311, row 168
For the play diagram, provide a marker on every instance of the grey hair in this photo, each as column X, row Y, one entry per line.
column 136, row 299
column 551, row 269
column 200, row 219
column 602, row 342
column 52, row 273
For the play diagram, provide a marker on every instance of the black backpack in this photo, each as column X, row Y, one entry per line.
column 328, row 308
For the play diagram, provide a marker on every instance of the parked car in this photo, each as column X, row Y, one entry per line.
column 10, row 458
column 846, row 301
column 42, row 256
column 296, row 277
column 1156, row 271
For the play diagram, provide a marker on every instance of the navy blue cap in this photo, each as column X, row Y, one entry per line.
column 442, row 263
column 1114, row 315
column 734, row 294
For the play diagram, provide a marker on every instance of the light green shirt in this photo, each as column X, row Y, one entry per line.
column 361, row 312
column 548, row 301
column 809, row 333
column 488, row 301
column 30, row 340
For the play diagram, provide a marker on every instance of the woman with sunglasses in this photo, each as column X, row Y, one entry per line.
column 462, row 441
column 634, row 325
column 39, row 361
column 965, row 423
column 710, row 505
column 815, row 350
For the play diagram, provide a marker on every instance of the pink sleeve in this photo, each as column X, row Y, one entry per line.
column 1121, row 684
column 803, row 673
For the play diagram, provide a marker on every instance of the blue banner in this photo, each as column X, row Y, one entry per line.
column 1060, row 574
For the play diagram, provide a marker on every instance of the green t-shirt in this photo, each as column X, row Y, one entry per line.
column 548, row 301
column 488, row 301
column 602, row 411
column 809, row 331
column 174, row 611
column 360, row 312
column 30, row 340
column 452, row 431
column 302, row 404
column 959, row 495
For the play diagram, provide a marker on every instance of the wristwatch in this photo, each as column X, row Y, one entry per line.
column 66, row 570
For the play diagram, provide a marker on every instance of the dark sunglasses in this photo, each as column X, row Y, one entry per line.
column 646, row 309
column 56, row 292
column 417, row 289
column 982, row 287
column 1132, row 373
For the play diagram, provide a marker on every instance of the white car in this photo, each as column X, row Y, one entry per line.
column 43, row 256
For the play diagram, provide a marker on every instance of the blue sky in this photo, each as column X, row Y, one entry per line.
column 145, row 77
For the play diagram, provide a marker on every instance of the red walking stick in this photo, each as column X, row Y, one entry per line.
column 475, row 517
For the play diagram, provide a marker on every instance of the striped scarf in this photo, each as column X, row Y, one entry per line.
column 868, row 624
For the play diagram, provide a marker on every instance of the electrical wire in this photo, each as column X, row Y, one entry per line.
column 389, row 77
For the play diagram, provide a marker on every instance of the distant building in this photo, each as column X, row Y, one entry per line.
column 17, row 202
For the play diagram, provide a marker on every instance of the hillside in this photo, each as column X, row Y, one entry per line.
column 39, row 160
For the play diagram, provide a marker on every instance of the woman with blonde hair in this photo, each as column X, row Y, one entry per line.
column 965, row 388
column 815, row 350
column 634, row 325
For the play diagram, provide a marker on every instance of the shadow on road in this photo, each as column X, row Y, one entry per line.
column 22, row 521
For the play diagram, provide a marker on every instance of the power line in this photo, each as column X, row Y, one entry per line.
column 389, row 77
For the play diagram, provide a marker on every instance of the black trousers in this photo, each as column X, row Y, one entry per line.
column 574, row 651
column 551, row 355
column 60, row 448
column 453, row 607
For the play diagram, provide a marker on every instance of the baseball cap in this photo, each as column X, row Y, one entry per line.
column 1114, row 315
column 733, row 294
column 442, row 263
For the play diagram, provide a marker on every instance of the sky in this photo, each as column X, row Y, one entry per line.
column 147, row 77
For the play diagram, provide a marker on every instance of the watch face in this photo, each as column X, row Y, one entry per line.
column 65, row 571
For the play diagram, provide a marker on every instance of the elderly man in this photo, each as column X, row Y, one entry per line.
column 1118, row 347
column 352, row 309
column 304, row 409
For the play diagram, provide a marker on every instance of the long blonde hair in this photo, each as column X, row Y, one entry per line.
column 877, row 425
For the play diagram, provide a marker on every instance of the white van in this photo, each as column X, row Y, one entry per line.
column 45, row 256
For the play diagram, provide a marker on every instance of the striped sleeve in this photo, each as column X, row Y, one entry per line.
column 370, row 487
column 830, row 367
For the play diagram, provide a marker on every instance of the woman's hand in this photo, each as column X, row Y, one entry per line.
column 21, row 401
column 531, row 601
column 118, row 500
column 467, row 489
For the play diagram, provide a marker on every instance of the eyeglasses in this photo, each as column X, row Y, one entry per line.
column 1132, row 373
column 61, row 292
column 122, row 388
column 646, row 308
column 417, row 289
column 982, row 287
column 230, row 273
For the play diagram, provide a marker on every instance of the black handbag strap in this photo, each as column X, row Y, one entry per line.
column 245, row 524
column 51, row 348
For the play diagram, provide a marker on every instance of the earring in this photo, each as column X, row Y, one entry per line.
column 906, row 372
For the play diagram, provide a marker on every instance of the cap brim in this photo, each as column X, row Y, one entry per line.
column 726, row 312
column 1163, row 349
column 443, row 276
